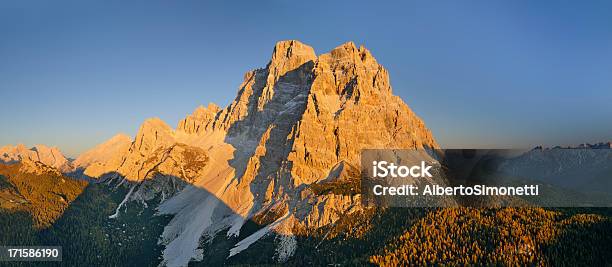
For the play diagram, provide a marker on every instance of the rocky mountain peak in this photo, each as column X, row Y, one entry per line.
column 202, row 111
column 120, row 137
column 152, row 132
column 50, row 156
column 291, row 60
column 346, row 50
column 289, row 55
column 200, row 120
column 296, row 125
column 349, row 52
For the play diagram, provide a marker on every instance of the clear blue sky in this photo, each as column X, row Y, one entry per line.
column 480, row 73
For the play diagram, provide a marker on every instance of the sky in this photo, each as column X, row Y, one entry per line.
column 481, row 74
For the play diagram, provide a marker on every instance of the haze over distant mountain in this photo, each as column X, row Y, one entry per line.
column 103, row 154
column 585, row 167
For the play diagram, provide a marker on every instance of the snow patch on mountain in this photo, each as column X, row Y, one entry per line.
column 245, row 243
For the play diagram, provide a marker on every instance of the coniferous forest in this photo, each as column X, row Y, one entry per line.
column 87, row 236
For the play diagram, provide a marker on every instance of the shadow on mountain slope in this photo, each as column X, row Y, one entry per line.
column 276, row 119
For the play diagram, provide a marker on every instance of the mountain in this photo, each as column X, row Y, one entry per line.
column 584, row 167
column 293, row 126
column 275, row 177
column 103, row 154
column 601, row 145
column 38, row 189
column 50, row 156
column 93, row 159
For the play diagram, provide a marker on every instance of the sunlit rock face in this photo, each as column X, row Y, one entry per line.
column 50, row 156
column 301, row 120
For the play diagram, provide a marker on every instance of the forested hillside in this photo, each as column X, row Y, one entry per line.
column 452, row 236
column 510, row 236
column 51, row 209
column 43, row 192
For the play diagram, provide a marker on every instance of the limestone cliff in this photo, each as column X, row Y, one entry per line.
column 295, row 126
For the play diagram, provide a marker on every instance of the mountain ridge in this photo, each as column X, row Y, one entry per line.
column 50, row 156
column 290, row 124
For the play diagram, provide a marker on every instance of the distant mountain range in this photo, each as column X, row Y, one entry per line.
column 50, row 156
column 602, row 145
column 585, row 168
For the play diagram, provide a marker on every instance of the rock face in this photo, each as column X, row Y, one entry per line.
column 50, row 156
column 295, row 125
